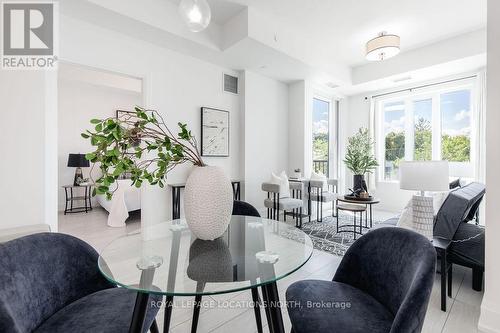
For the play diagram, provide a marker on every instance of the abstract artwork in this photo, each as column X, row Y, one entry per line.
column 214, row 132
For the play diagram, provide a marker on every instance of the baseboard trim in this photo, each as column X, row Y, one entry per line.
column 489, row 320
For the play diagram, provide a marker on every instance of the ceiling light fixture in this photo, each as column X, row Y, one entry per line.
column 382, row 47
column 195, row 13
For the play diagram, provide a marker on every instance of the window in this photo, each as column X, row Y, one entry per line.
column 394, row 129
column 424, row 127
column 456, row 124
column 320, row 135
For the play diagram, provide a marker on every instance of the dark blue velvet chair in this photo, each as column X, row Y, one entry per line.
column 383, row 284
column 244, row 208
column 50, row 282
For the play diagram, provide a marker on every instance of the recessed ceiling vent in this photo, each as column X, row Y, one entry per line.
column 230, row 84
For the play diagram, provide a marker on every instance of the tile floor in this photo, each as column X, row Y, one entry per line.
column 233, row 315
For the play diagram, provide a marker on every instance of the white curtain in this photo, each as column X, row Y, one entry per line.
column 480, row 128
column 372, row 177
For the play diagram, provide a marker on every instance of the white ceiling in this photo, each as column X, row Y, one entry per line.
column 321, row 41
column 222, row 10
column 340, row 28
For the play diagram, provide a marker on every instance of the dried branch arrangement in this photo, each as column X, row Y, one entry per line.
column 139, row 144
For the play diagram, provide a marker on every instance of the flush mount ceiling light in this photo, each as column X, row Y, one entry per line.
column 382, row 47
column 195, row 13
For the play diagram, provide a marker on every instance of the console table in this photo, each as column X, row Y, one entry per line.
column 176, row 196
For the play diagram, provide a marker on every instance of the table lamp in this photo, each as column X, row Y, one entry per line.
column 78, row 161
column 423, row 176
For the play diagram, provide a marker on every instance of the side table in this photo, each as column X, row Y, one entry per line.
column 71, row 197
column 354, row 209
column 368, row 205
column 441, row 245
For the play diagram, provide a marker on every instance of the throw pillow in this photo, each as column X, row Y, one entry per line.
column 320, row 177
column 438, row 199
column 283, row 184
column 406, row 217
column 455, row 184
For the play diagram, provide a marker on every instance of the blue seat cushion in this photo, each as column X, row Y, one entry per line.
column 327, row 306
column 108, row 310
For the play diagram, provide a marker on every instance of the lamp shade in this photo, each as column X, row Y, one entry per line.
column 78, row 161
column 424, row 175
column 382, row 47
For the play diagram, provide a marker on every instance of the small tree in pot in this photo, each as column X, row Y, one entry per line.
column 359, row 158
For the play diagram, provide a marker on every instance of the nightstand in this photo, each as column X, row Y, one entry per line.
column 71, row 197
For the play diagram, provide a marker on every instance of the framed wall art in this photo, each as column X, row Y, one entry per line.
column 214, row 132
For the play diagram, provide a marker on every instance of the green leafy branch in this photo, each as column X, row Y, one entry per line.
column 140, row 144
column 359, row 158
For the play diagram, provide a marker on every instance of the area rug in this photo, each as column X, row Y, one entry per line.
column 325, row 237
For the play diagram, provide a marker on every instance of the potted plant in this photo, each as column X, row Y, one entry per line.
column 359, row 158
column 141, row 144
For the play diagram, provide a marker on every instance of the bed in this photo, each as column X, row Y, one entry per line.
column 125, row 199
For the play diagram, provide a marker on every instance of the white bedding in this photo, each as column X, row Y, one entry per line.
column 126, row 198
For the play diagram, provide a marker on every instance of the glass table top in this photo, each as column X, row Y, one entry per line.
column 167, row 259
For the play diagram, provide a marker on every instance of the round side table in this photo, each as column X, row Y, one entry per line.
column 368, row 205
column 355, row 209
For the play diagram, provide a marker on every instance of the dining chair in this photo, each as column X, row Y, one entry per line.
column 50, row 282
column 293, row 204
column 383, row 284
column 239, row 208
column 323, row 192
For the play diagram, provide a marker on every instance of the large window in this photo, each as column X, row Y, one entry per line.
column 320, row 135
column 424, row 127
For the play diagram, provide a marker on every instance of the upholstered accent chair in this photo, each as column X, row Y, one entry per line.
column 293, row 204
column 50, row 282
column 244, row 208
column 454, row 222
column 323, row 193
column 383, row 284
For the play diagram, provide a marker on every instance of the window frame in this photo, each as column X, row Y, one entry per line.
column 410, row 96
column 333, row 133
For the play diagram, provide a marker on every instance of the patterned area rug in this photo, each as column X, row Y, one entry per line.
column 325, row 237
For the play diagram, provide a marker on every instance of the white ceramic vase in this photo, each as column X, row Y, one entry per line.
column 208, row 202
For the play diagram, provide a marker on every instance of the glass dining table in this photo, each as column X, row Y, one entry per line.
column 166, row 259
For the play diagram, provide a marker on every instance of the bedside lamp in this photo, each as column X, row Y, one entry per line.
column 78, row 161
column 423, row 176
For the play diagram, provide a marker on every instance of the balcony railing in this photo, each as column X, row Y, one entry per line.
column 321, row 166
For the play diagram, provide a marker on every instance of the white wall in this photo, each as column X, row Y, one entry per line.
column 176, row 85
column 297, row 126
column 490, row 308
column 79, row 102
column 266, row 133
column 23, row 132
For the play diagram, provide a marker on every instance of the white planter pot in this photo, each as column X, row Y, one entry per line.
column 208, row 202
